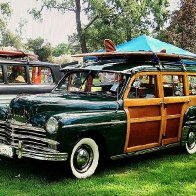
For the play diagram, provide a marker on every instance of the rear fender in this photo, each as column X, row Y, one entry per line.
column 189, row 123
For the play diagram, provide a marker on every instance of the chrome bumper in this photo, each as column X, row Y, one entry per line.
column 22, row 152
column 42, row 155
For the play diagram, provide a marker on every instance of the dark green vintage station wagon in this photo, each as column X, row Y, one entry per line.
column 120, row 105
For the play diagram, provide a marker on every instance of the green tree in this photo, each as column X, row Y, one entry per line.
column 62, row 48
column 44, row 51
column 7, row 38
column 182, row 29
column 118, row 19
column 122, row 20
column 5, row 13
column 11, row 39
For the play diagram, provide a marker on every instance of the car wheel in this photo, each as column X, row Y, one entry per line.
column 84, row 158
column 191, row 142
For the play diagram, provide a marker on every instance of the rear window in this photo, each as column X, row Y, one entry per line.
column 173, row 85
column 192, row 85
column 41, row 75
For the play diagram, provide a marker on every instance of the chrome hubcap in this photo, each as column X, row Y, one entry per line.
column 83, row 158
column 191, row 140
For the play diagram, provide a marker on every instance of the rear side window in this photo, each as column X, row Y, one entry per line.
column 192, row 85
column 16, row 74
column 1, row 74
column 144, row 87
column 41, row 75
column 173, row 85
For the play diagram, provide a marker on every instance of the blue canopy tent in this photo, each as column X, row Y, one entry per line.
column 147, row 43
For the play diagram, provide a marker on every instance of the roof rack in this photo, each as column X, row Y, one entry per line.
column 156, row 58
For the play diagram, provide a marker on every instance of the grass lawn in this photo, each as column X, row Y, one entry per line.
column 168, row 172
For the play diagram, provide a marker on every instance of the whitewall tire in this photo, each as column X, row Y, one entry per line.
column 84, row 158
column 191, row 143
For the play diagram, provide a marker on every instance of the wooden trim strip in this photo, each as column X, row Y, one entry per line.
column 169, row 140
column 128, row 129
column 146, row 119
column 142, row 102
column 173, row 116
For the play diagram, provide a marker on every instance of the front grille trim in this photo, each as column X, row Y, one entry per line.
column 32, row 138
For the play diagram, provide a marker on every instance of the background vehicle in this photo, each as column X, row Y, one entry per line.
column 122, row 105
column 19, row 75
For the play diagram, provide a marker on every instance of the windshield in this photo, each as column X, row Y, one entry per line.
column 92, row 82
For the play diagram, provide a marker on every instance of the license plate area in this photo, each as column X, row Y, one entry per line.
column 6, row 150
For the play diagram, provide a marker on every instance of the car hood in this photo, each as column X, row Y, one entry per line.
column 34, row 108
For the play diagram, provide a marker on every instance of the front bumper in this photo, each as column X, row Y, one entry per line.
column 27, row 141
column 10, row 151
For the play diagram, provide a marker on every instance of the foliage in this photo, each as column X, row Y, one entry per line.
column 122, row 20
column 7, row 38
column 119, row 20
column 61, row 49
column 164, row 173
column 44, row 51
column 11, row 39
column 182, row 30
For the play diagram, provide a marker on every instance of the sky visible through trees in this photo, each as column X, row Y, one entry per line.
column 50, row 28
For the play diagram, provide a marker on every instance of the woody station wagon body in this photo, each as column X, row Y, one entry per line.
column 124, row 104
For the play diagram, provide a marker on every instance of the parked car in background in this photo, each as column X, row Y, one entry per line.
column 19, row 75
column 123, row 104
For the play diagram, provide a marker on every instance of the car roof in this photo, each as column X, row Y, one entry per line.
column 24, row 62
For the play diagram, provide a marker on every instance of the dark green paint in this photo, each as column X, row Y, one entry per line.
column 76, row 109
column 189, row 123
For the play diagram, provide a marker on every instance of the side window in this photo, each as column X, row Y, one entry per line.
column 192, row 85
column 16, row 74
column 173, row 85
column 41, row 75
column 144, row 87
column 1, row 74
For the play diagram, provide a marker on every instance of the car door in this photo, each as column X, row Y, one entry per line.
column 176, row 102
column 143, row 105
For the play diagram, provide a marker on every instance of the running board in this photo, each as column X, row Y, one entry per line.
column 144, row 151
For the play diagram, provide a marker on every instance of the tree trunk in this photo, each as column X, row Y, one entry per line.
column 82, row 38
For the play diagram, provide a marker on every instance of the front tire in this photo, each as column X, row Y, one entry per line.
column 84, row 158
column 191, row 142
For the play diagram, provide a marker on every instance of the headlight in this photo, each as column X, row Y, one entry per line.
column 52, row 125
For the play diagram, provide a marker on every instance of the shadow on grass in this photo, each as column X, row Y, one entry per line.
column 55, row 171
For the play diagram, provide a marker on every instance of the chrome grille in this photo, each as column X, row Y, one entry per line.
column 5, row 133
column 32, row 138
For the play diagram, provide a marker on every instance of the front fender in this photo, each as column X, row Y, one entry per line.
column 108, row 128
column 4, row 111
